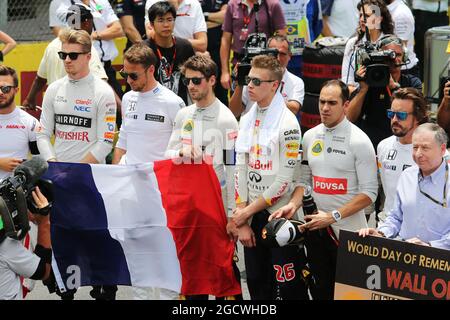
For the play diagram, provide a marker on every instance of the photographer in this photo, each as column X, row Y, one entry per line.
column 368, row 104
column 16, row 261
column 291, row 88
column 240, row 22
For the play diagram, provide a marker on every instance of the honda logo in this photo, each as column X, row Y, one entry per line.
column 392, row 154
column 254, row 176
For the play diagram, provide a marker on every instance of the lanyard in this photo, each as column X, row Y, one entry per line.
column 247, row 18
column 160, row 56
column 444, row 199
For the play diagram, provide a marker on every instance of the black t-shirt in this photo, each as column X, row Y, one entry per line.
column 135, row 8
column 167, row 71
column 214, row 34
column 373, row 119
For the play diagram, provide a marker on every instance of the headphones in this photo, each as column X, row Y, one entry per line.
column 388, row 39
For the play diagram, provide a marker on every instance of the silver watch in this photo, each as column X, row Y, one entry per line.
column 336, row 215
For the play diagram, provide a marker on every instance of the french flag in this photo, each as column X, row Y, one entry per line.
column 152, row 225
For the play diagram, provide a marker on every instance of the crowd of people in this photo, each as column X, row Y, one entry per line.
column 376, row 151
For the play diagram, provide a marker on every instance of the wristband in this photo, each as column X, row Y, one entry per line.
column 44, row 253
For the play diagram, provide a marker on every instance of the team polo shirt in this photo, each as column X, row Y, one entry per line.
column 148, row 119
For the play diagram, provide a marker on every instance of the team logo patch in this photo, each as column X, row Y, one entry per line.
column 293, row 146
column 329, row 185
column 188, row 126
column 317, row 147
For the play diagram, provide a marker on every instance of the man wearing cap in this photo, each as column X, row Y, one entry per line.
column 51, row 68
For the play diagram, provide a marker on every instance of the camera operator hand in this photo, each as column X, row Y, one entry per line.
column 9, row 164
column 41, row 202
column 361, row 72
column 393, row 85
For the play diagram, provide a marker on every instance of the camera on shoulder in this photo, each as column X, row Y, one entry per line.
column 16, row 197
column 376, row 62
column 255, row 45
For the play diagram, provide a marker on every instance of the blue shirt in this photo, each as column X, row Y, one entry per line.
column 414, row 215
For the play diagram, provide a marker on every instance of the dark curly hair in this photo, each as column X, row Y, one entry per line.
column 387, row 24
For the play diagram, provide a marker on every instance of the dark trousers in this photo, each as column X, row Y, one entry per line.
column 274, row 273
column 322, row 255
column 425, row 20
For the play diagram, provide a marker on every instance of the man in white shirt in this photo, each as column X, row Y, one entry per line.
column 107, row 27
column 17, row 128
column 51, row 67
column 404, row 29
column 394, row 154
column 149, row 112
column 189, row 24
column 291, row 87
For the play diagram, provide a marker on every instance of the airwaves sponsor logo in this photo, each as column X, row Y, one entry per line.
column 329, row 185
column 317, row 147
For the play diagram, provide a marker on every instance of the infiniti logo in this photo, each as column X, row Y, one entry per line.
column 254, row 176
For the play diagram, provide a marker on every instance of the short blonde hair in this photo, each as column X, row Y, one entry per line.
column 80, row 37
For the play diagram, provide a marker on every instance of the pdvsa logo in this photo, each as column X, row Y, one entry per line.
column 329, row 185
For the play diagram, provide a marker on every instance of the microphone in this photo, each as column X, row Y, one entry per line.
column 282, row 232
column 31, row 170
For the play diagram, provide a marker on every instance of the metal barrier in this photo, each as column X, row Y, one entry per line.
column 27, row 20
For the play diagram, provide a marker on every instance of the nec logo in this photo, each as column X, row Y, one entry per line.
column 254, row 176
column 391, row 155
column 82, row 108
column 329, row 185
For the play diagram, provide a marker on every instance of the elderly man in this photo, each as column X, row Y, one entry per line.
column 420, row 214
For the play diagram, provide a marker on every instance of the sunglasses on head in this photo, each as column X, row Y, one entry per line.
column 401, row 115
column 6, row 89
column 195, row 80
column 72, row 55
column 257, row 82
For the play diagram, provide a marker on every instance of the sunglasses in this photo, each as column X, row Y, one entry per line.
column 257, row 82
column 72, row 55
column 195, row 80
column 133, row 75
column 401, row 115
column 6, row 89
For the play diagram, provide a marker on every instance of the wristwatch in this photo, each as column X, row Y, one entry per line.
column 336, row 215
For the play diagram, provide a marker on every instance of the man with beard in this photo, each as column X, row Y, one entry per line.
column 409, row 109
column 17, row 128
column 206, row 130
column 149, row 112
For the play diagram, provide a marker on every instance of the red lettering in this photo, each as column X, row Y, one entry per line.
column 406, row 282
column 85, row 102
column 442, row 291
column 329, row 185
column 393, row 278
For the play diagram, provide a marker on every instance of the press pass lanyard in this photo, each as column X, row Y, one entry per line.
column 160, row 56
column 444, row 199
column 247, row 18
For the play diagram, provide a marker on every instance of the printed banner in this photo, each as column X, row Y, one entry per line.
column 375, row 268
